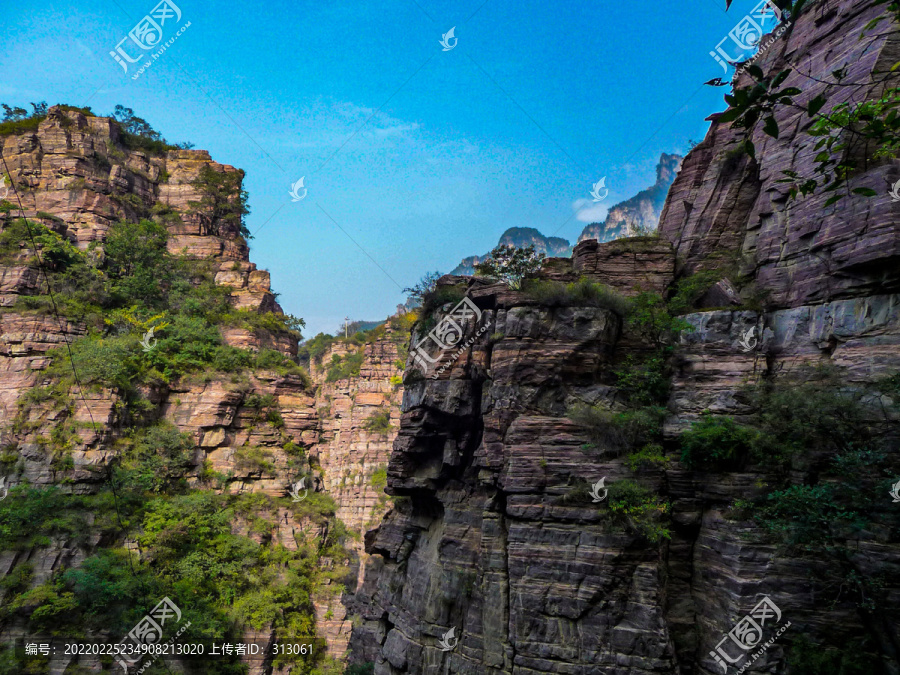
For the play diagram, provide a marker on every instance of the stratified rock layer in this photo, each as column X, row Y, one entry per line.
column 354, row 459
column 489, row 564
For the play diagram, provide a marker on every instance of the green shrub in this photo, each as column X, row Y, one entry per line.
column 806, row 658
column 690, row 289
column 312, row 350
column 582, row 293
column 278, row 324
column 379, row 422
column 644, row 382
column 157, row 459
column 29, row 516
column 19, row 579
column 804, row 517
column 578, row 493
column 638, row 509
column 441, row 296
column 361, row 669
column 379, row 478
column 796, row 415
column 655, row 321
column 619, row 430
column 254, row 458
column 649, row 457
column 344, row 367
column 716, row 443
column 47, row 606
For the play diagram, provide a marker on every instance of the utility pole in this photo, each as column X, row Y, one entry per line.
column 346, row 326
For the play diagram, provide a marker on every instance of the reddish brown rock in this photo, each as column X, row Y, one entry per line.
column 644, row 263
column 726, row 206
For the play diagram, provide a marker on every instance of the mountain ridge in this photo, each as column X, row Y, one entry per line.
column 638, row 213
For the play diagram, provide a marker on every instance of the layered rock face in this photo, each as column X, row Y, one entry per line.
column 353, row 454
column 485, row 564
column 75, row 174
column 726, row 204
column 483, row 540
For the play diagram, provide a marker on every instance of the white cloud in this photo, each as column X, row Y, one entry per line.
column 329, row 124
column 589, row 211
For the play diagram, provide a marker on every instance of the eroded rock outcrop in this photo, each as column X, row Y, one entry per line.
column 487, row 564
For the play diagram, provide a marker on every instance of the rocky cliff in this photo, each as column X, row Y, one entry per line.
column 149, row 384
column 358, row 420
column 697, row 480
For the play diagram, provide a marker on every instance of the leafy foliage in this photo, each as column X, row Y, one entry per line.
column 716, row 442
column 638, row 509
column 581, row 293
column 850, row 135
column 379, row 422
column 426, row 285
column 618, row 430
column 29, row 516
column 16, row 119
column 511, row 264
column 342, row 367
column 806, row 658
column 223, row 201
column 138, row 134
column 361, row 669
column 655, row 321
column 379, row 478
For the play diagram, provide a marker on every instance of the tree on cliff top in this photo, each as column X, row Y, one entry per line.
column 511, row 264
column 223, row 200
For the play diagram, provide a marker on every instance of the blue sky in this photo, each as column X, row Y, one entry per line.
column 413, row 157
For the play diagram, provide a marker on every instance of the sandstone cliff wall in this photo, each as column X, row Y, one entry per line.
column 251, row 432
column 484, row 540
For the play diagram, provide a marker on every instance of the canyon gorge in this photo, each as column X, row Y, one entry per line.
column 641, row 445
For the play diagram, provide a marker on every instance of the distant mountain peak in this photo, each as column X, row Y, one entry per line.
column 552, row 247
column 638, row 213
column 641, row 211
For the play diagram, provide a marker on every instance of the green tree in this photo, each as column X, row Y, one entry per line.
column 223, row 200
column 511, row 264
column 426, row 285
column 13, row 114
column 132, row 124
column 137, row 261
